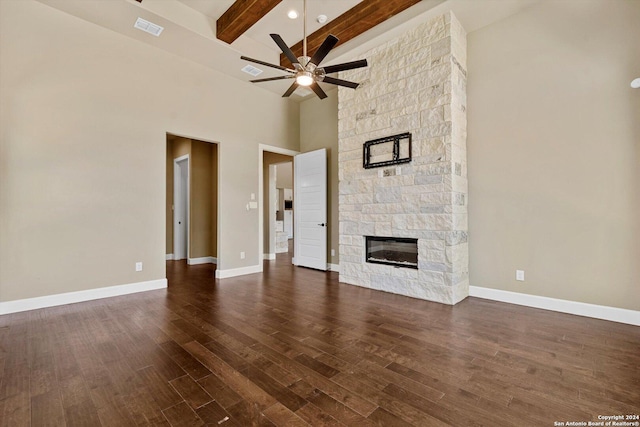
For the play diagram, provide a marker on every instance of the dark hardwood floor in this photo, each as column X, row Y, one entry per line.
column 293, row 347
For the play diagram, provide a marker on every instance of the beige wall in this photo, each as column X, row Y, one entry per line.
column 214, row 200
column 84, row 114
column 554, row 152
column 284, row 176
column 200, row 227
column 319, row 129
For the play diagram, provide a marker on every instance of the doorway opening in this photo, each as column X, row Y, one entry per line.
column 191, row 201
column 278, row 206
column 268, row 157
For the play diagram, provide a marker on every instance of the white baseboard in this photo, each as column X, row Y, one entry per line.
column 202, row 260
column 79, row 296
column 269, row 256
column 603, row 312
column 169, row 257
column 233, row 272
column 333, row 267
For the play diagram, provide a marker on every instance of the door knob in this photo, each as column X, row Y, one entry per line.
column 322, row 225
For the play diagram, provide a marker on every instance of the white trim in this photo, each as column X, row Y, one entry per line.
column 202, row 260
column 233, row 272
column 614, row 314
column 169, row 257
column 79, row 296
column 176, row 189
column 333, row 267
column 269, row 256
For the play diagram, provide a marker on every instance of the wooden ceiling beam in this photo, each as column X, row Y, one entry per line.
column 360, row 18
column 241, row 16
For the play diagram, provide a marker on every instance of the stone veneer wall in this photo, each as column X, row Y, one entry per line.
column 415, row 83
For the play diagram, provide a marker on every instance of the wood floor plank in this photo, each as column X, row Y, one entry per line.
column 338, row 410
column 237, row 382
column 159, row 388
column 282, row 416
column 315, row 416
column 214, row 414
column 191, row 391
column 183, row 359
column 46, row 409
column 382, row 418
column 16, row 410
column 81, row 415
column 249, row 414
column 217, row 389
column 295, row 347
column 282, row 394
column 181, row 415
column 316, row 365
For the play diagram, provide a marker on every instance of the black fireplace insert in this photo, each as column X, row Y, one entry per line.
column 396, row 251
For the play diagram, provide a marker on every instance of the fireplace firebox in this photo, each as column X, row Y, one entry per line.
column 395, row 251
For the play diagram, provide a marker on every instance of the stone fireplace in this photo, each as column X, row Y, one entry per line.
column 414, row 84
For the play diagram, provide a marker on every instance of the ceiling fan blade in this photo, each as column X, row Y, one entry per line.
column 272, row 78
column 324, row 49
column 318, row 90
column 346, row 66
column 266, row 64
column 341, row 82
column 291, row 89
column 284, row 48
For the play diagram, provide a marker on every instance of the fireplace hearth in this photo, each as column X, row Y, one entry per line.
column 399, row 252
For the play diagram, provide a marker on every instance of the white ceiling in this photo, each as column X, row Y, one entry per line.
column 190, row 27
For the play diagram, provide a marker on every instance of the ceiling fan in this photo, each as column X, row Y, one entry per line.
column 307, row 72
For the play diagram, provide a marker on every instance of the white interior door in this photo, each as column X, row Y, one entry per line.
column 310, row 208
column 181, row 207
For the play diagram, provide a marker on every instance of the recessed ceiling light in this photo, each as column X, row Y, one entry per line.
column 635, row 83
column 148, row 27
column 321, row 19
column 292, row 14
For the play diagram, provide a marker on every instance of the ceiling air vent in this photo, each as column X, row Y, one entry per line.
column 250, row 69
column 149, row 27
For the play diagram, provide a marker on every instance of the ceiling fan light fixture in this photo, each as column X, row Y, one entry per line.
column 304, row 78
column 306, row 70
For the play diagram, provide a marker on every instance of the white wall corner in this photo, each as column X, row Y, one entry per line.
column 269, row 256
column 614, row 314
column 169, row 257
column 202, row 260
column 233, row 272
column 79, row 296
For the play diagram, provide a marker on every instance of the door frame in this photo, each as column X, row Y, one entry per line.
column 261, row 149
column 176, row 192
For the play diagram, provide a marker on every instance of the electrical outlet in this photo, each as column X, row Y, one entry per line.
column 520, row 275
column 138, row 266
column 333, row 252
column 242, row 255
